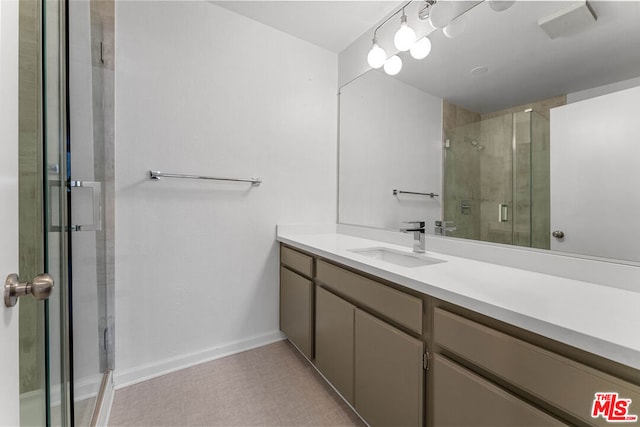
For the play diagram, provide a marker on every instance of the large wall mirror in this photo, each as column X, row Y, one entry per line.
column 512, row 135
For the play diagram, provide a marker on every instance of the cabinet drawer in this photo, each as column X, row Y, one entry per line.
column 462, row 398
column 565, row 384
column 296, row 310
column 402, row 308
column 296, row 261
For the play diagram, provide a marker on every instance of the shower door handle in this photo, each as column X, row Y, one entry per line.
column 96, row 197
column 503, row 212
column 96, row 204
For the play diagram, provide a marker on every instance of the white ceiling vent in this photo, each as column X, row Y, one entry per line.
column 568, row 21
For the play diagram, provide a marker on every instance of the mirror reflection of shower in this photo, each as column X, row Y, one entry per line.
column 511, row 173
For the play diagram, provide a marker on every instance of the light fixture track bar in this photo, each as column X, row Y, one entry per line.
column 390, row 17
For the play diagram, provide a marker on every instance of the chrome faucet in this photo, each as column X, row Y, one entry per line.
column 442, row 227
column 418, row 235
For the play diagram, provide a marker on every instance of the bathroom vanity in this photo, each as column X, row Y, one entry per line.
column 454, row 341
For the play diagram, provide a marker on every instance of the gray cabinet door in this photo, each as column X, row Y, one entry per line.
column 462, row 398
column 334, row 341
column 389, row 377
column 296, row 310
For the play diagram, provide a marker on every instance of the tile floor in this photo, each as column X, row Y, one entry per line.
column 268, row 386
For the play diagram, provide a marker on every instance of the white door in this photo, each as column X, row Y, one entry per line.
column 9, row 387
column 595, row 175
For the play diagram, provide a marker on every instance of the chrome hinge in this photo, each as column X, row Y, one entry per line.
column 426, row 357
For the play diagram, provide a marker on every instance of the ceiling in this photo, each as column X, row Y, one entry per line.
column 333, row 25
column 523, row 63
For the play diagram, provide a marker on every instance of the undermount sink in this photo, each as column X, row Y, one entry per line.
column 397, row 257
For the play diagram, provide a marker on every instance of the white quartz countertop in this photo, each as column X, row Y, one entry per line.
column 599, row 319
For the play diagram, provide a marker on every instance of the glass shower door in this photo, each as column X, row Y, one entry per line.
column 496, row 179
column 43, row 235
column 66, row 103
column 478, row 179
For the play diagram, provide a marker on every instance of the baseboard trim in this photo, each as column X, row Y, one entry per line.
column 166, row 366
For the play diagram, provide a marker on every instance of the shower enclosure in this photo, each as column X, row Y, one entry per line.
column 66, row 208
column 496, row 179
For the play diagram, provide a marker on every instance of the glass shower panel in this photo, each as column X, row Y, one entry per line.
column 92, row 160
column 86, row 370
column 462, row 180
column 540, row 182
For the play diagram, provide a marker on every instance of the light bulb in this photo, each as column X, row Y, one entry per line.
column 405, row 36
column 376, row 56
column 455, row 27
column 393, row 65
column 441, row 14
column 421, row 48
column 500, row 5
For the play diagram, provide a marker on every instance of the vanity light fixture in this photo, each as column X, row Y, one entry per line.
column 393, row 65
column 404, row 39
column 500, row 5
column 442, row 14
column 423, row 13
column 405, row 36
column 421, row 48
column 377, row 56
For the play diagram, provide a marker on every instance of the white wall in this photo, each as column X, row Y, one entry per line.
column 9, row 390
column 602, row 90
column 595, row 175
column 390, row 138
column 201, row 90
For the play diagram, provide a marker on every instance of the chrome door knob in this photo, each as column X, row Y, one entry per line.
column 40, row 288
column 558, row 234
